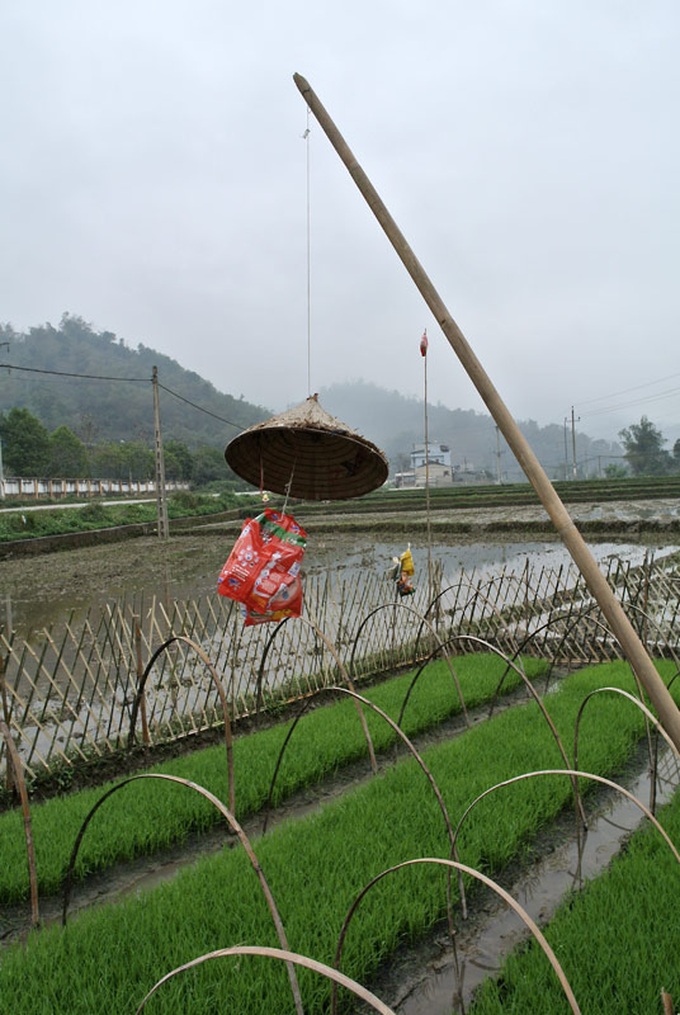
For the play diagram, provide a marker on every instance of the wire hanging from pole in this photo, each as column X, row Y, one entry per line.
column 306, row 137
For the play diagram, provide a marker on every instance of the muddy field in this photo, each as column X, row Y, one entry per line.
column 36, row 590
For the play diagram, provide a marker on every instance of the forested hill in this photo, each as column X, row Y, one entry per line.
column 107, row 408
column 395, row 423
column 114, row 402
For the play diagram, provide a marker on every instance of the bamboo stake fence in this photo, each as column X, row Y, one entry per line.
column 67, row 695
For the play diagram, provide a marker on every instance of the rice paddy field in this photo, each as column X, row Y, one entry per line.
column 412, row 811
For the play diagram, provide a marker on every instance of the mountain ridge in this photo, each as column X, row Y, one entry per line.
column 94, row 383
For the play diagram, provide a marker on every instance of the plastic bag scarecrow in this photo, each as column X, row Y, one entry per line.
column 262, row 572
column 403, row 572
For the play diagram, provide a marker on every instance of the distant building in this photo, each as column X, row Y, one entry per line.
column 404, row 479
column 431, row 463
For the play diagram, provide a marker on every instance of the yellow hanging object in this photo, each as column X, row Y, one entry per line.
column 406, row 561
column 405, row 570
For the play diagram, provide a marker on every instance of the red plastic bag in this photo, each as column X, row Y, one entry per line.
column 263, row 570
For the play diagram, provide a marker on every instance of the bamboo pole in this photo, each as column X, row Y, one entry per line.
column 635, row 652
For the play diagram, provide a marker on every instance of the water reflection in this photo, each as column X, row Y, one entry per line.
column 37, row 593
column 437, row 990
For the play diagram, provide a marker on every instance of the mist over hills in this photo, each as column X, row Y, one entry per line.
column 395, row 423
column 100, row 387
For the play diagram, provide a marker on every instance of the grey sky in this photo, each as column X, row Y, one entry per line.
column 154, row 181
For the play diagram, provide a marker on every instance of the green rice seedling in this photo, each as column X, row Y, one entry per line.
column 155, row 817
column 315, row 868
column 617, row 939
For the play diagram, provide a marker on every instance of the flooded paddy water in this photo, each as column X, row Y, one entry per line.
column 435, row 979
column 36, row 592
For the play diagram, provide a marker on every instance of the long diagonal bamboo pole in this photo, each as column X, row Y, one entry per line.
column 634, row 650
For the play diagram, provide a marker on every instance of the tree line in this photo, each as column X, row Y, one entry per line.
column 644, row 451
column 29, row 449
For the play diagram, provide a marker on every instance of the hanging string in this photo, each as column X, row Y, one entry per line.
column 430, row 577
column 289, row 485
column 306, row 137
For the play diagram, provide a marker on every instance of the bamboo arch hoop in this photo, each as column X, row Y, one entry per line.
column 509, row 660
column 572, row 773
column 639, row 658
column 236, row 828
column 441, row 646
column 477, row 593
column 397, row 729
column 286, row 956
column 15, row 760
column 228, row 741
column 651, row 722
column 462, row 869
column 638, row 704
column 414, row 752
column 362, row 718
column 544, row 712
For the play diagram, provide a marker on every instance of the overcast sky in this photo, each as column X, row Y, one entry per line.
column 155, row 180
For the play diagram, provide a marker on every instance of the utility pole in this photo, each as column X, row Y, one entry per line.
column 2, row 471
column 161, row 500
column 498, row 457
column 573, row 444
column 566, row 453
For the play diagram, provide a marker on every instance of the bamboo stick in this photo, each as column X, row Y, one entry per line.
column 635, row 652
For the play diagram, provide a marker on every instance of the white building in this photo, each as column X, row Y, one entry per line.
column 431, row 463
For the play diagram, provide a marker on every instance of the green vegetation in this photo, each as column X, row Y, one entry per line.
column 644, row 452
column 74, row 376
column 332, row 738
column 94, row 515
column 617, row 939
column 108, row 958
column 72, row 380
column 29, row 450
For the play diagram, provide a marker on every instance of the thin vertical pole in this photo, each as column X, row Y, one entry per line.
column 637, row 655
column 9, row 624
column 573, row 445
column 140, row 673
column 498, row 457
column 306, row 136
column 161, row 499
column 430, row 582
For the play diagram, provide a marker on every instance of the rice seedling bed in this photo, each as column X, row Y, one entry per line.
column 619, row 939
column 108, row 958
column 154, row 817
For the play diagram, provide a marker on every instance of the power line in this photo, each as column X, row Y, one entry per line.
column 64, row 373
column 624, row 405
column 615, row 394
column 200, row 408
column 636, row 401
column 103, row 377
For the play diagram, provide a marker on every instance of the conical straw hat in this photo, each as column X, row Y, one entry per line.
column 304, row 452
